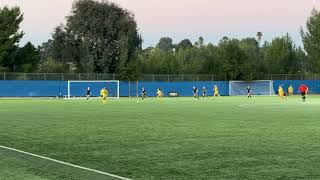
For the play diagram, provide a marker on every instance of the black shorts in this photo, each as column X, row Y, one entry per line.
column 303, row 93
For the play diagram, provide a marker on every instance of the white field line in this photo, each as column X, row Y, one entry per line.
column 245, row 105
column 65, row 163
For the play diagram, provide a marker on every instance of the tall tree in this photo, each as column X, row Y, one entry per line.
column 233, row 59
column 10, row 19
column 99, row 37
column 165, row 44
column 259, row 36
column 279, row 56
column 27, row 59
column 200, row 42
column 184, row 44
column 311, row 40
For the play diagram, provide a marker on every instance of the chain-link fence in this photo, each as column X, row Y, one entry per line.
column 147, row 77
column 85, row 76
column 292, row 76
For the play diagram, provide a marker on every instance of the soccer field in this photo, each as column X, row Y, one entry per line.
column 178, row 138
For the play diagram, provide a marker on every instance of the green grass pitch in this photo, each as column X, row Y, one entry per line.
column 179, row 138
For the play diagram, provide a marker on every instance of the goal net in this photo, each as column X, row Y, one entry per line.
column 78, row 89
column 239, row 88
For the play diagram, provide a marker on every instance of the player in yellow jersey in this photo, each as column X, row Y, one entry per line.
column 281, row 93
column 290, row 90
column 104, row 95
column 159, row 94
column 216, row 91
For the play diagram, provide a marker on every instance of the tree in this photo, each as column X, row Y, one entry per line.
column 253, row 63
column 233, row 60
column 259, row 36
column 27, row 59
column 165, row 44
column 52, row 66
column 184, row 44
column 10, row 20
column 99, row 37
column 280, row 57
column 311, row 40
column 200, row 42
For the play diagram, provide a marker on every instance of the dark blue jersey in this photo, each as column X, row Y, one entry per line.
column 195, row 90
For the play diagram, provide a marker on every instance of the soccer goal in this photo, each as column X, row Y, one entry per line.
column 263, row 87
column 78, row 89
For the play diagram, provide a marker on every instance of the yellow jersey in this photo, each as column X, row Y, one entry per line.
column 104, row 92
column 159, row 93
column 280, row 91
column 216, row 90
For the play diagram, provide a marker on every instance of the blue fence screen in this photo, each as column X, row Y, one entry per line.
column 22, row 88
column 58, row 88
column 313, row 85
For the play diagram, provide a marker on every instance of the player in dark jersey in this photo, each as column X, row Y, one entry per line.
column 195, row 92
column 249, row 91
column 143, row 93
column 88, row 93
column 204, row 92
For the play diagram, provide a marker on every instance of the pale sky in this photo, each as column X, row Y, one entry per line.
column 181, row 19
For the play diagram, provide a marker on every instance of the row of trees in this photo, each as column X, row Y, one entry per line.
column 237, row 59
column 101, row 37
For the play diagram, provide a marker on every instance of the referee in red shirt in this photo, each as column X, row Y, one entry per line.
column 303, row 90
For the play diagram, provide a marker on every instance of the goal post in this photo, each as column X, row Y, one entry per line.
column 261, row 87
column 77, row 89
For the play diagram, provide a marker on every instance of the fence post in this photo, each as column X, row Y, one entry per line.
column 129, row 93
column 197, row 77
column 45, row 76
column 25, row 76
column 168, row 78
column 4, row 76
column 211, row 77
column 152, row 77
column 62, row 77
column 301, row 76
column 113, row 76
column 79, row 76
column 137, row 88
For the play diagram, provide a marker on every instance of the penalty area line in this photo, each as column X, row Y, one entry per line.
column 65, row 163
